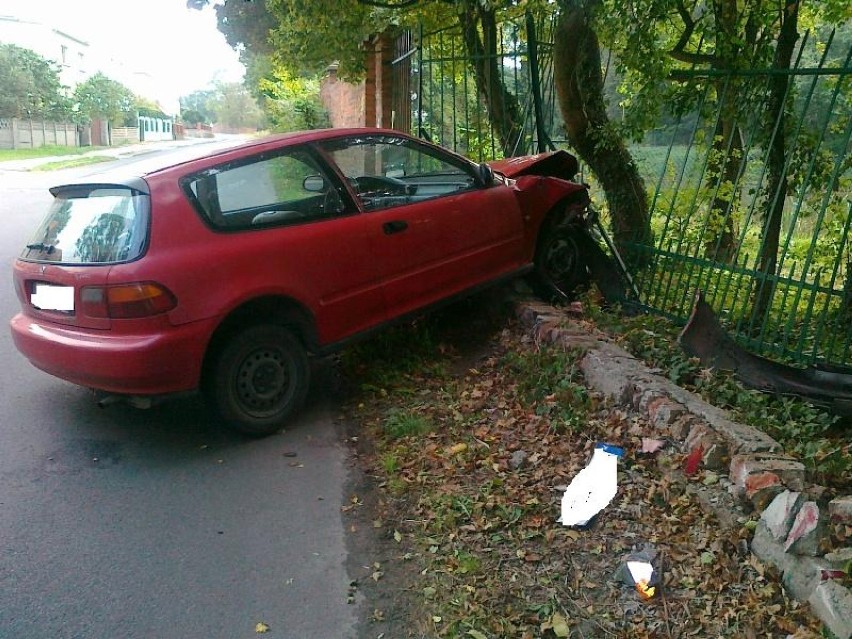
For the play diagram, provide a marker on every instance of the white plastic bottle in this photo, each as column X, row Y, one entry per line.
column 593, row 487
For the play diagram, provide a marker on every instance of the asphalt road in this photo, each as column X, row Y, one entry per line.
column 156, row 524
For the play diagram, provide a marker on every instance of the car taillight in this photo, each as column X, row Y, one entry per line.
column 126, row 301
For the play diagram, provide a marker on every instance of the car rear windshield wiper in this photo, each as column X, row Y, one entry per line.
column 41, row 246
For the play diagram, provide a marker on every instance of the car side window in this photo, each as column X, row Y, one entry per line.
column 265, row 191
column 386, row 171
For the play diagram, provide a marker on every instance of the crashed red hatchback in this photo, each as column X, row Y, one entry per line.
column 222, row 273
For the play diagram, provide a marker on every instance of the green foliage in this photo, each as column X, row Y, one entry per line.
column 235, row 106
column 291, row 102
column 100, row 97
column 199, row 107
column 30, row 86
column 229, row 104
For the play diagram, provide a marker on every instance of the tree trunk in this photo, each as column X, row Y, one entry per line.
column 776, row 187
column 726, row 159
column 579, row 86
column 726, row 162
column 504, row 112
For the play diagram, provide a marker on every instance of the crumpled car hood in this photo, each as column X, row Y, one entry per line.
column 559, row 164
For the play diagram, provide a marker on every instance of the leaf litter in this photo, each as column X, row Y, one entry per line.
column 477, row 531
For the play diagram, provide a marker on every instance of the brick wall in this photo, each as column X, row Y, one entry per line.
column 343, row 101
column 367, row 103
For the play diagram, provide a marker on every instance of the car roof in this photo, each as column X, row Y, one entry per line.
column 133, row 175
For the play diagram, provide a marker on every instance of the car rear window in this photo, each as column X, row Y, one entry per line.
column 91, row 225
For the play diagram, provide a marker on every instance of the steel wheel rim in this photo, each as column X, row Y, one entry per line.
column 263, row 382
column 560, row 260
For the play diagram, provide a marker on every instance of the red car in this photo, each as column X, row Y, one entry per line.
column 222, row 273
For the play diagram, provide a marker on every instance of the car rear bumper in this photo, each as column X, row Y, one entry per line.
column 156, row 363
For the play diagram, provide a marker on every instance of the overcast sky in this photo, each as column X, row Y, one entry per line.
column 180, row 47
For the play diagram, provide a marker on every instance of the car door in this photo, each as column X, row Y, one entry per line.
column 440, row 230
column 288, row 227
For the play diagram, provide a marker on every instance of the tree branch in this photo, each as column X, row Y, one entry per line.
column 678, row 52
column 389, row 4
column 692, row 58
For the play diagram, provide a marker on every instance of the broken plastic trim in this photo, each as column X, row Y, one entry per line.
column 703, row 337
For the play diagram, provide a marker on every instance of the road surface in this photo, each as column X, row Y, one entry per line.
column 156, row 524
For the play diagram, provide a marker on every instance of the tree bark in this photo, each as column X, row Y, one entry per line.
column 726, row 149
column 504, row 112
column 725, row 165
column 579, row 87
column 776, row 187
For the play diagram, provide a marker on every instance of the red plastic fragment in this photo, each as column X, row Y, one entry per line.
column 690, row 466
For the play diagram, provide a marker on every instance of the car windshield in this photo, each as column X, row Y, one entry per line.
column 91, row 225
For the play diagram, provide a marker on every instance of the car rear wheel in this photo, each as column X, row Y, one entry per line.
column 561, row 268
column 259, row 378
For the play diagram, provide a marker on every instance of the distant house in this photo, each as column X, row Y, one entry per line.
column 71, row 54
column 77, row 59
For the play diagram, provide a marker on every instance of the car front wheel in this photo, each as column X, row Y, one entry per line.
column 561, row 269
column 259, row 378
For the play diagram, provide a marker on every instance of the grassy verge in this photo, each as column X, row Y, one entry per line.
column 44, row 152
column 472, row 447
column 69, row 164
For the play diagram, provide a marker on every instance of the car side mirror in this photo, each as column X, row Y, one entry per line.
column 314, row 184
column 485, row 175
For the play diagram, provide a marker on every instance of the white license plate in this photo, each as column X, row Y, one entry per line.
column 48, row 297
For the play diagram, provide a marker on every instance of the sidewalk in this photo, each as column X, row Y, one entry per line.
column 118, row 152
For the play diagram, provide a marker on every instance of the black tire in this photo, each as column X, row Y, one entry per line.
column 561, row 262
column 258, row 379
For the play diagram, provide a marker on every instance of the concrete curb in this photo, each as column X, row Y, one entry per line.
column 792, row 531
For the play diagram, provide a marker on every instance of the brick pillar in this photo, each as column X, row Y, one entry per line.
column 384, row 57
column 371, row 88
column 378, row 85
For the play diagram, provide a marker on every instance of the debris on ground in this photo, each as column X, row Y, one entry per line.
column 473, row 528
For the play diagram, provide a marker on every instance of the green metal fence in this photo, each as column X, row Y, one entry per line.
column 782, row 282
column 435, row 86
column 767, row 240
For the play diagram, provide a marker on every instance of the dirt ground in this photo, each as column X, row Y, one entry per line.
column 460, row 521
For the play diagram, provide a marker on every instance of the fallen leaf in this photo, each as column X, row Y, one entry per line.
column 397, row 537
column 476, row 634
column 261, row 627
column 457, row 448
column 651, row 446
column 690, row 466
column 559, row 625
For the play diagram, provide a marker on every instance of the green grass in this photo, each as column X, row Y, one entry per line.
column 68, row 164
column 404, row 423
column 44, row 152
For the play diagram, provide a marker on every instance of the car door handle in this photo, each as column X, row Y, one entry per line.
column 397, row 226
